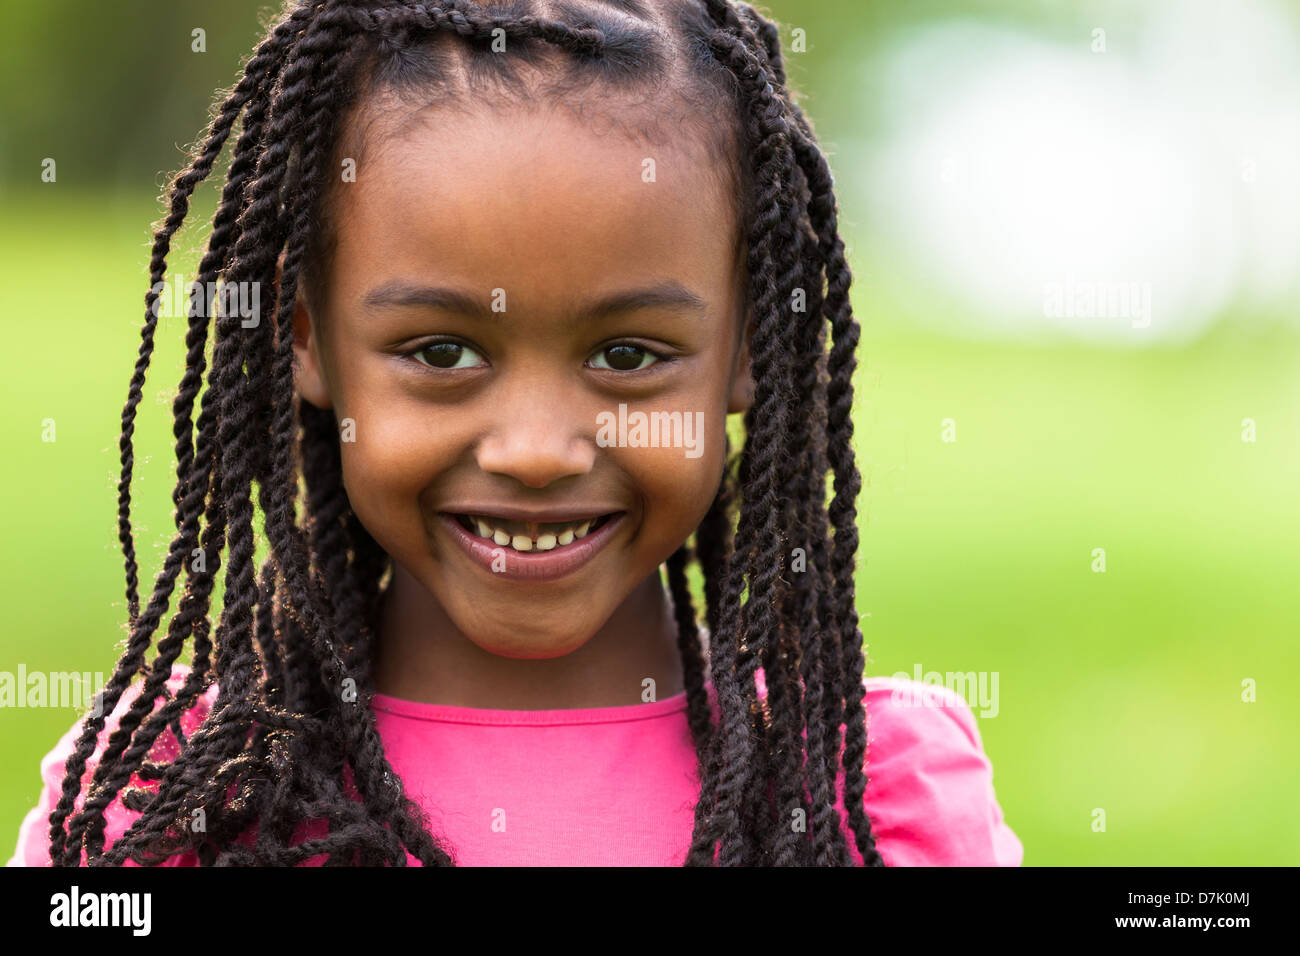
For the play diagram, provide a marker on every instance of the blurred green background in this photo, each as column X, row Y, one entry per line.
column 982, row 151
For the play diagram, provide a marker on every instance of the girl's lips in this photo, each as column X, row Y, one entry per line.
column 506, row 562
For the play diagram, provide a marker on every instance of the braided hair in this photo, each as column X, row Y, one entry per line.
column 280, row 744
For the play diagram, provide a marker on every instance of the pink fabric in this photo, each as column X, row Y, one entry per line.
column 616, row 786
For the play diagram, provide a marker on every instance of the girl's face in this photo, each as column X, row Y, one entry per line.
column 509, row 297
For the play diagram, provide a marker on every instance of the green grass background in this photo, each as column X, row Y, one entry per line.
column 1119, row 691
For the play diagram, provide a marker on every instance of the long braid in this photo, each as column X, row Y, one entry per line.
column 781, row 762
column 847, row 638
column 822, row 214
column 189, row 507
column 230, row 413
column 713, row 543
column 713, row 538
column 782, row 665
column 812, row 596
column 265, row 60
column 811, row 599
column 759, row 540
column 689, row 647
column 847, row 483
column 260, row 70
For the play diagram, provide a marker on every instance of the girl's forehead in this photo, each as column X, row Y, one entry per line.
column 397, row 128
column 533, row 195
column 659, row 135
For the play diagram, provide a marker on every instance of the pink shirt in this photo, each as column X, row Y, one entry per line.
column 616, row 786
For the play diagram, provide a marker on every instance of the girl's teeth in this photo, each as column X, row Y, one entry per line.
column 522, row 542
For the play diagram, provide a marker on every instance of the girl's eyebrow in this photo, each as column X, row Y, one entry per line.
column 397, row 293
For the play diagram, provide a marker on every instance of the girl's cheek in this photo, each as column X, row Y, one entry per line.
column 396, row 453
column 386, row 472
column 679, row 480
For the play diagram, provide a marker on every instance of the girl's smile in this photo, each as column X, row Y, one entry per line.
column 532, row 550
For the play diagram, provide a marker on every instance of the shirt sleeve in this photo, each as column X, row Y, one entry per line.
column 33, row 847
column 929, row 783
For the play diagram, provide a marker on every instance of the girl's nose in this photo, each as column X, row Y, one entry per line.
column 537, row 446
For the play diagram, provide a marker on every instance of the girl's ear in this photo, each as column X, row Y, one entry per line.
column 308, row 373
column 742, row 380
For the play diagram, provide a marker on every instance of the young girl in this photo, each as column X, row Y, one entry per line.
column 521, row 260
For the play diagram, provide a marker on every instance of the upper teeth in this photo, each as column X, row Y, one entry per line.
column 557, row 534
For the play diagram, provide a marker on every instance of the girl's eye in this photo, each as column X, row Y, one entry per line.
column 624, row 358
column 447, row 355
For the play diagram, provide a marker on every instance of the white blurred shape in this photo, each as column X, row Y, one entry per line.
column 1021, row 168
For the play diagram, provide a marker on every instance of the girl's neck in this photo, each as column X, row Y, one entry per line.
column 422, row 656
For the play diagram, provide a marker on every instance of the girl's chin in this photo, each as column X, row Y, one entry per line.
column 541, row 649
column 531, row 638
